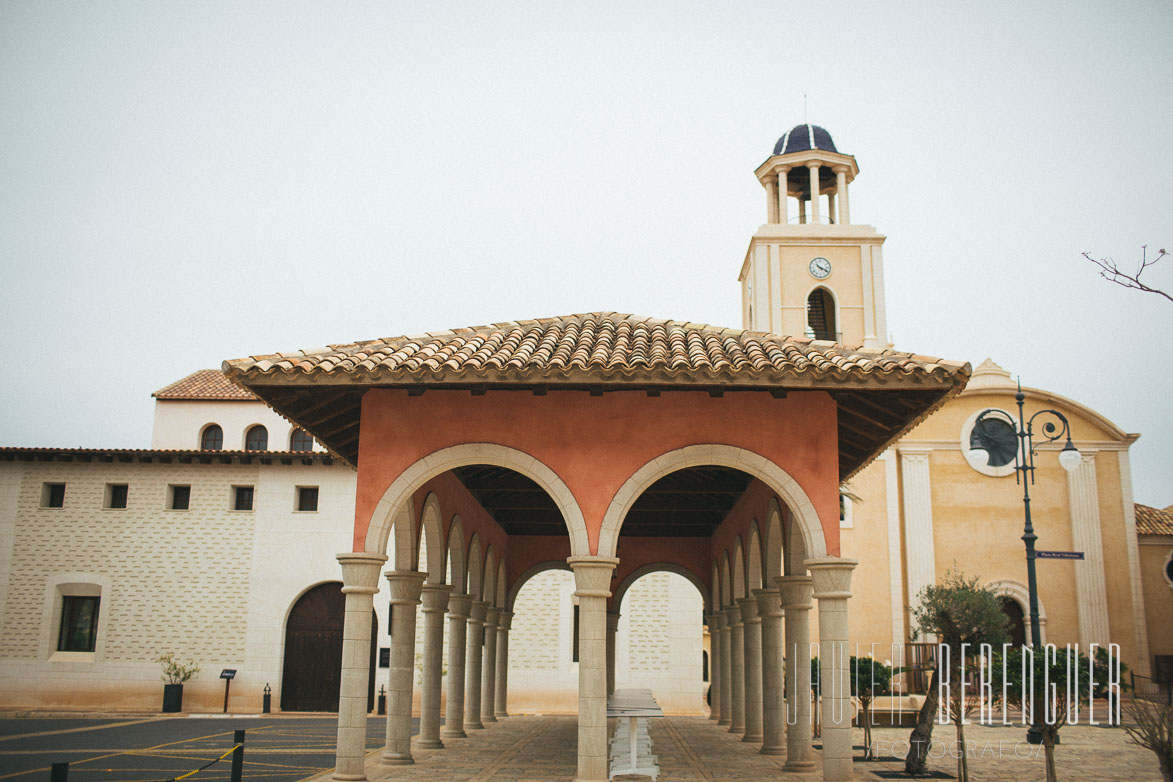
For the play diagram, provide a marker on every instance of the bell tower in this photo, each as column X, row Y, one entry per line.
column 813, row 273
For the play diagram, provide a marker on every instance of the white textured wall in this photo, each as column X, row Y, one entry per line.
column 178, row 424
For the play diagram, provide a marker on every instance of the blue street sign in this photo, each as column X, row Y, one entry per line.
column 1059, row 554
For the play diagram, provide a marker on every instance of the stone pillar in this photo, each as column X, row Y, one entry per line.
column 501, row 699
column 435, row 599
column 360, row 582
column 919, row 559
column 773, row 706
column 592, row 580
column 472, row 665
column 489, row 674
column 771, row 200
column 783, row 204
column 405, row 596
column 712, row 621
column 752, row 633
column 736, row 670
column 832, row 588
column 726, row 669
column 458, row 611
column 831, row 208
column 841, row 193
column 1091, row 596
column 801, row 210
column 796, row 601
column 813, row 167
column 612, row 629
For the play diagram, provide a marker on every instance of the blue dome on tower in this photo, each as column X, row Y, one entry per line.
column 802, row 138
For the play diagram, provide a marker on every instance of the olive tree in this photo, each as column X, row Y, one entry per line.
column 869, row 678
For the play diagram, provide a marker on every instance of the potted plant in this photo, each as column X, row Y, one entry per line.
column 175, row 674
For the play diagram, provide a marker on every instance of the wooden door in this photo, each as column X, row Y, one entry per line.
column 313, row 651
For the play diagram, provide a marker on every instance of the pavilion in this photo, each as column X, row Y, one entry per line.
column 615, row 445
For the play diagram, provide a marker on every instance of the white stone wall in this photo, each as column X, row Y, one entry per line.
column 178, row 424
column 658, row 645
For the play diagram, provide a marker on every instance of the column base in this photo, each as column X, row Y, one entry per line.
column 397, row 759
column 772, row 751
column 349, row 777
column 488, row 718
column 500, row 714
column 752, row 739
column 473, row 725
column 723, row 721
column 429, row 744
column 740, row 729
column 453, row 734
column 799, row 765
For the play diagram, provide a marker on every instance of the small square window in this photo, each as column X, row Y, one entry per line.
column 53, row 495
column 79, row 623
column 178, row 497
column 116, row 495
column 307, row 498
column 242, row 497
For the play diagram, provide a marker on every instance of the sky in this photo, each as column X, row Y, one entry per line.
column 184, row 183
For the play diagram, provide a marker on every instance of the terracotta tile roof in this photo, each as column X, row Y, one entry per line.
column 204, row 384
column 1153, row 521
column 602, row 347
column 49, row 454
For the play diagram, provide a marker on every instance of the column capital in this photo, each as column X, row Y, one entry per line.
column 505, row 620
column 815, row 164
column 770, row 184
column 592, row 575
column 795, row 591
column 732, row 616
column 841, row 169
column 832, row 576
column 781, row 170
column 459, row 605
column 477, row 611
column 769, row 602
column 360, row 571
column 492, row 615
column 748, row 606
column 435, row 597
column 716, row 621
column 405, row 586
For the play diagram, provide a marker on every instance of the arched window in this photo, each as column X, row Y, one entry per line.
column 300, row 440
column 820, row 315
column 256, row 439
column 213, row 438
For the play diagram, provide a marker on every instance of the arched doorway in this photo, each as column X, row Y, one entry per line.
column 1016, row 623
column 313, row 651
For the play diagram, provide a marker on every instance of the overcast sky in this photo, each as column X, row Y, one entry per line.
column 182, row 183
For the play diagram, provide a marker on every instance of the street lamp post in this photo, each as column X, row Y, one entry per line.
column 992, row 443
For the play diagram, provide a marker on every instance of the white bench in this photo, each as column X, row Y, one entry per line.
column 631, row 746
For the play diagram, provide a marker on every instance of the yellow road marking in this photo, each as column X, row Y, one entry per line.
column 81, row 729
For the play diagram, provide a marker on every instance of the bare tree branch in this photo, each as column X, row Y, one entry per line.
column 1112, row 273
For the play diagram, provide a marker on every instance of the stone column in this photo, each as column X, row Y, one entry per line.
column 796, row 601
column 612, row 629
column 360, row 582
column 458, row 611
column 841, row 193
column 405, row 596
column 489, row 674
column 501, row 697
column 813, row 167
column 435, row 599
column 592, row 580
column 783, row 204
column 726, row 669
column 472, row 665
column 773, row 706
column 832, row 588
column 771, row 200
column 736, row 670
column 712, row 621
column 752, row 634
column 801, row 210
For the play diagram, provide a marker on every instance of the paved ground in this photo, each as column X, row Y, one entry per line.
column 132, row 749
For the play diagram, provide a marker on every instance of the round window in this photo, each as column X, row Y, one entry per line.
column 997, row 438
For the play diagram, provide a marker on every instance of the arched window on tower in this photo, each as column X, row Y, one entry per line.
column 212, row 438
column 256, row 439
column 300, row 440
column 820, row 315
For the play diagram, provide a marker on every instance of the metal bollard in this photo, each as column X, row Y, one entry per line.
column 59, row 772
column 267, row 702
column 237, row 755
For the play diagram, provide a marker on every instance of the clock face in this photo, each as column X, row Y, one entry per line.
column 820, row 268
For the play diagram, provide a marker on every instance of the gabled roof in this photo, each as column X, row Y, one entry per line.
column 1154, row 521
column 202, row 385
column 881, row 393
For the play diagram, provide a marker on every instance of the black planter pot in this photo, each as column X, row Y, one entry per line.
column 172, row 698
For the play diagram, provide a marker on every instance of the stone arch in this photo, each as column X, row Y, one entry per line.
column 660, row 567
column 456, row 561
column 406, row 538
column 423, row 470
column 489, row 587
column 1019, row 593
column 738, row 571
column 726, row 588
column 753, row 562
column 715, row 598
column 773, row 548
column 475, row 568
column 794, row 552
column 499, row 600
column 433, row 534
column 541, row 567
column 802, row 511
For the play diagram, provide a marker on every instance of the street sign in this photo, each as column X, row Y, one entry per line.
column 1059, row 554
column 228, row 673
